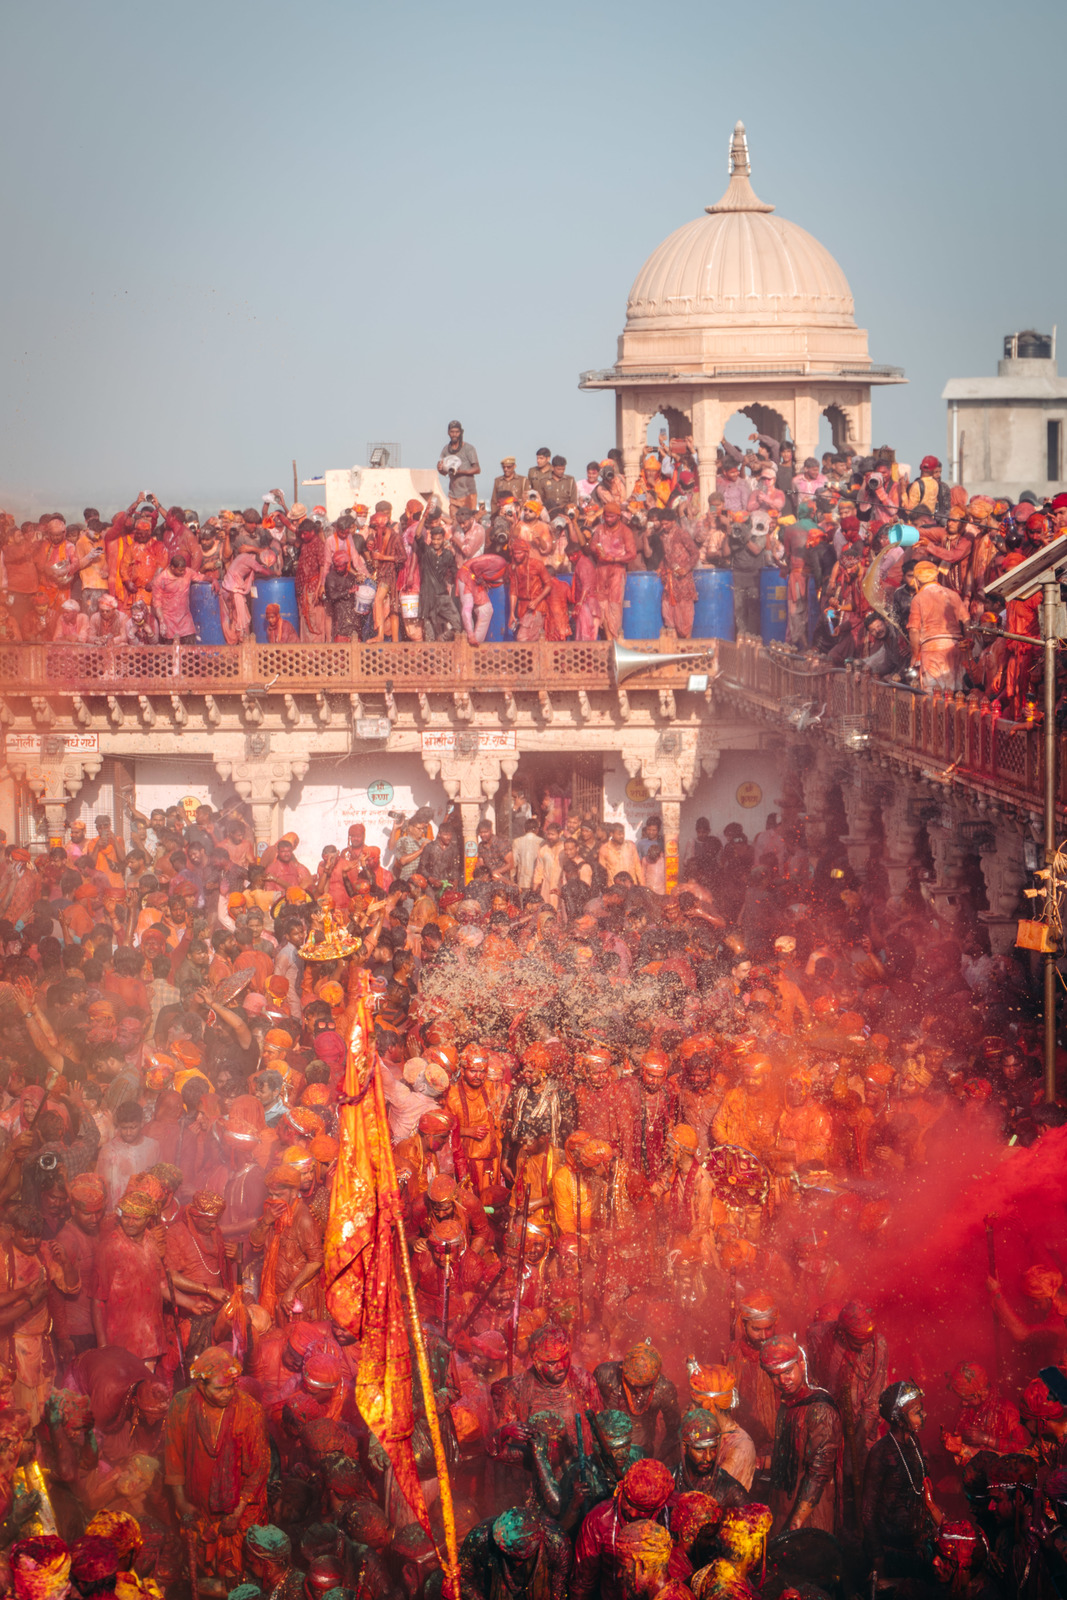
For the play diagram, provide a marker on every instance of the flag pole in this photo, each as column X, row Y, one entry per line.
column 422, row 1359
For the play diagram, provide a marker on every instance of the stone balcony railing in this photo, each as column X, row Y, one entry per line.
column 64, row 669
column 948, row 738
column 953, row 738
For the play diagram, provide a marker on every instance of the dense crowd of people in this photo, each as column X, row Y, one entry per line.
column 878, row 568
column 693, row 1185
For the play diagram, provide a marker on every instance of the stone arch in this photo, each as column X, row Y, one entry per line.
column 842, row 431
column 679, row 424
column 764, row 419
column 637, row 408
column 767, row 420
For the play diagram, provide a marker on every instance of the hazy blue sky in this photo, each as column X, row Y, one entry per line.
column 238, row 233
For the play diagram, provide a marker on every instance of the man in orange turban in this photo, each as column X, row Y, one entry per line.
column 216, row 1460
column 291, row 1283
column 197, row 1259
column 935, row 628
column 637, row 1387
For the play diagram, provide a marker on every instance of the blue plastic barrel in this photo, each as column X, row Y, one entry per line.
column 642, row 616
column 498, row 622
column 204, row 606
column 273, row 592
column 713, row 614
column 772, row 612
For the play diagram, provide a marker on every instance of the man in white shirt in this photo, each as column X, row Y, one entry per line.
column 525, row 851
column 131, row 1151
column 547, row 870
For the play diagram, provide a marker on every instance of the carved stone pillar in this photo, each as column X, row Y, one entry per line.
column 901, row 823
column 631, row 417
column 817, row 781
column 949, row 889
column 1006, row 876
column 53, row 781
column 708, row 423
column 469, row 782
column 262, row 785
column 806, row 431
column 863, row 800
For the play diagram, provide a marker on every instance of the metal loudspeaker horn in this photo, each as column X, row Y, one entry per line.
column 624, row 662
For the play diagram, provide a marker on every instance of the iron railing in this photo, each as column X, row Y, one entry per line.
column 952, row 735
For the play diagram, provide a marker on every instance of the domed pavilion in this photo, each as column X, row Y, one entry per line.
column 741, row 310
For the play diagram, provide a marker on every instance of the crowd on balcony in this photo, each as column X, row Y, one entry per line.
column 692, row 1184
column 877, row 567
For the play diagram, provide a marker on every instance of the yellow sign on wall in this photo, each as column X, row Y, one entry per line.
column 749, row 794
column 636, row 791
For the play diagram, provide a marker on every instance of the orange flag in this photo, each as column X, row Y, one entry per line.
column 362, row 1284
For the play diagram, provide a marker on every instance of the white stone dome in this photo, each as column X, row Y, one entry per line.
column 739, row 266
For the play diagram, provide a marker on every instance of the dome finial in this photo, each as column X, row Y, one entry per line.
column 739, row 194
column 739, row 161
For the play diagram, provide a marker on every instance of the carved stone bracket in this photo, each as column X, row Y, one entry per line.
column 263, row 785
column 53, row 784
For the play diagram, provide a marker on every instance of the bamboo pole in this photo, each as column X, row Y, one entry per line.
column 422, row 1360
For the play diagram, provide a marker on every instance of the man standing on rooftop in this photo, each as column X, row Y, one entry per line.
column 459, row 461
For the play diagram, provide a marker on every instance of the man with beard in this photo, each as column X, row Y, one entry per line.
column 851, row 1365
column 698, row 1469
column 637, row 1387
column 550, row 1383
column 757, row 1316
column 603, row 1108
column 806, row 1460
column 538, row 1104
column 715, row 1389
column 655, row 1112
column 584, row 1485
column 959, row 1563
column 898, row 1515
column 469, row 1102
column 699, row 1096
column 642, row 1496
column 516, row 1554
column 216, row 1460
column 197, row 1258
column 749, row 1114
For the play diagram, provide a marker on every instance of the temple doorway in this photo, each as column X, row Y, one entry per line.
column 553, row 787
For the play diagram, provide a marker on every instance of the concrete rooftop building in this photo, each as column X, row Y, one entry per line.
column 1005, row 434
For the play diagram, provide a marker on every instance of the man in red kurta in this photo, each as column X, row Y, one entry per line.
column 614, row 548
column 128, row 1283
column 196, row 1258
column 216, row 1458
column 291, row 1284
